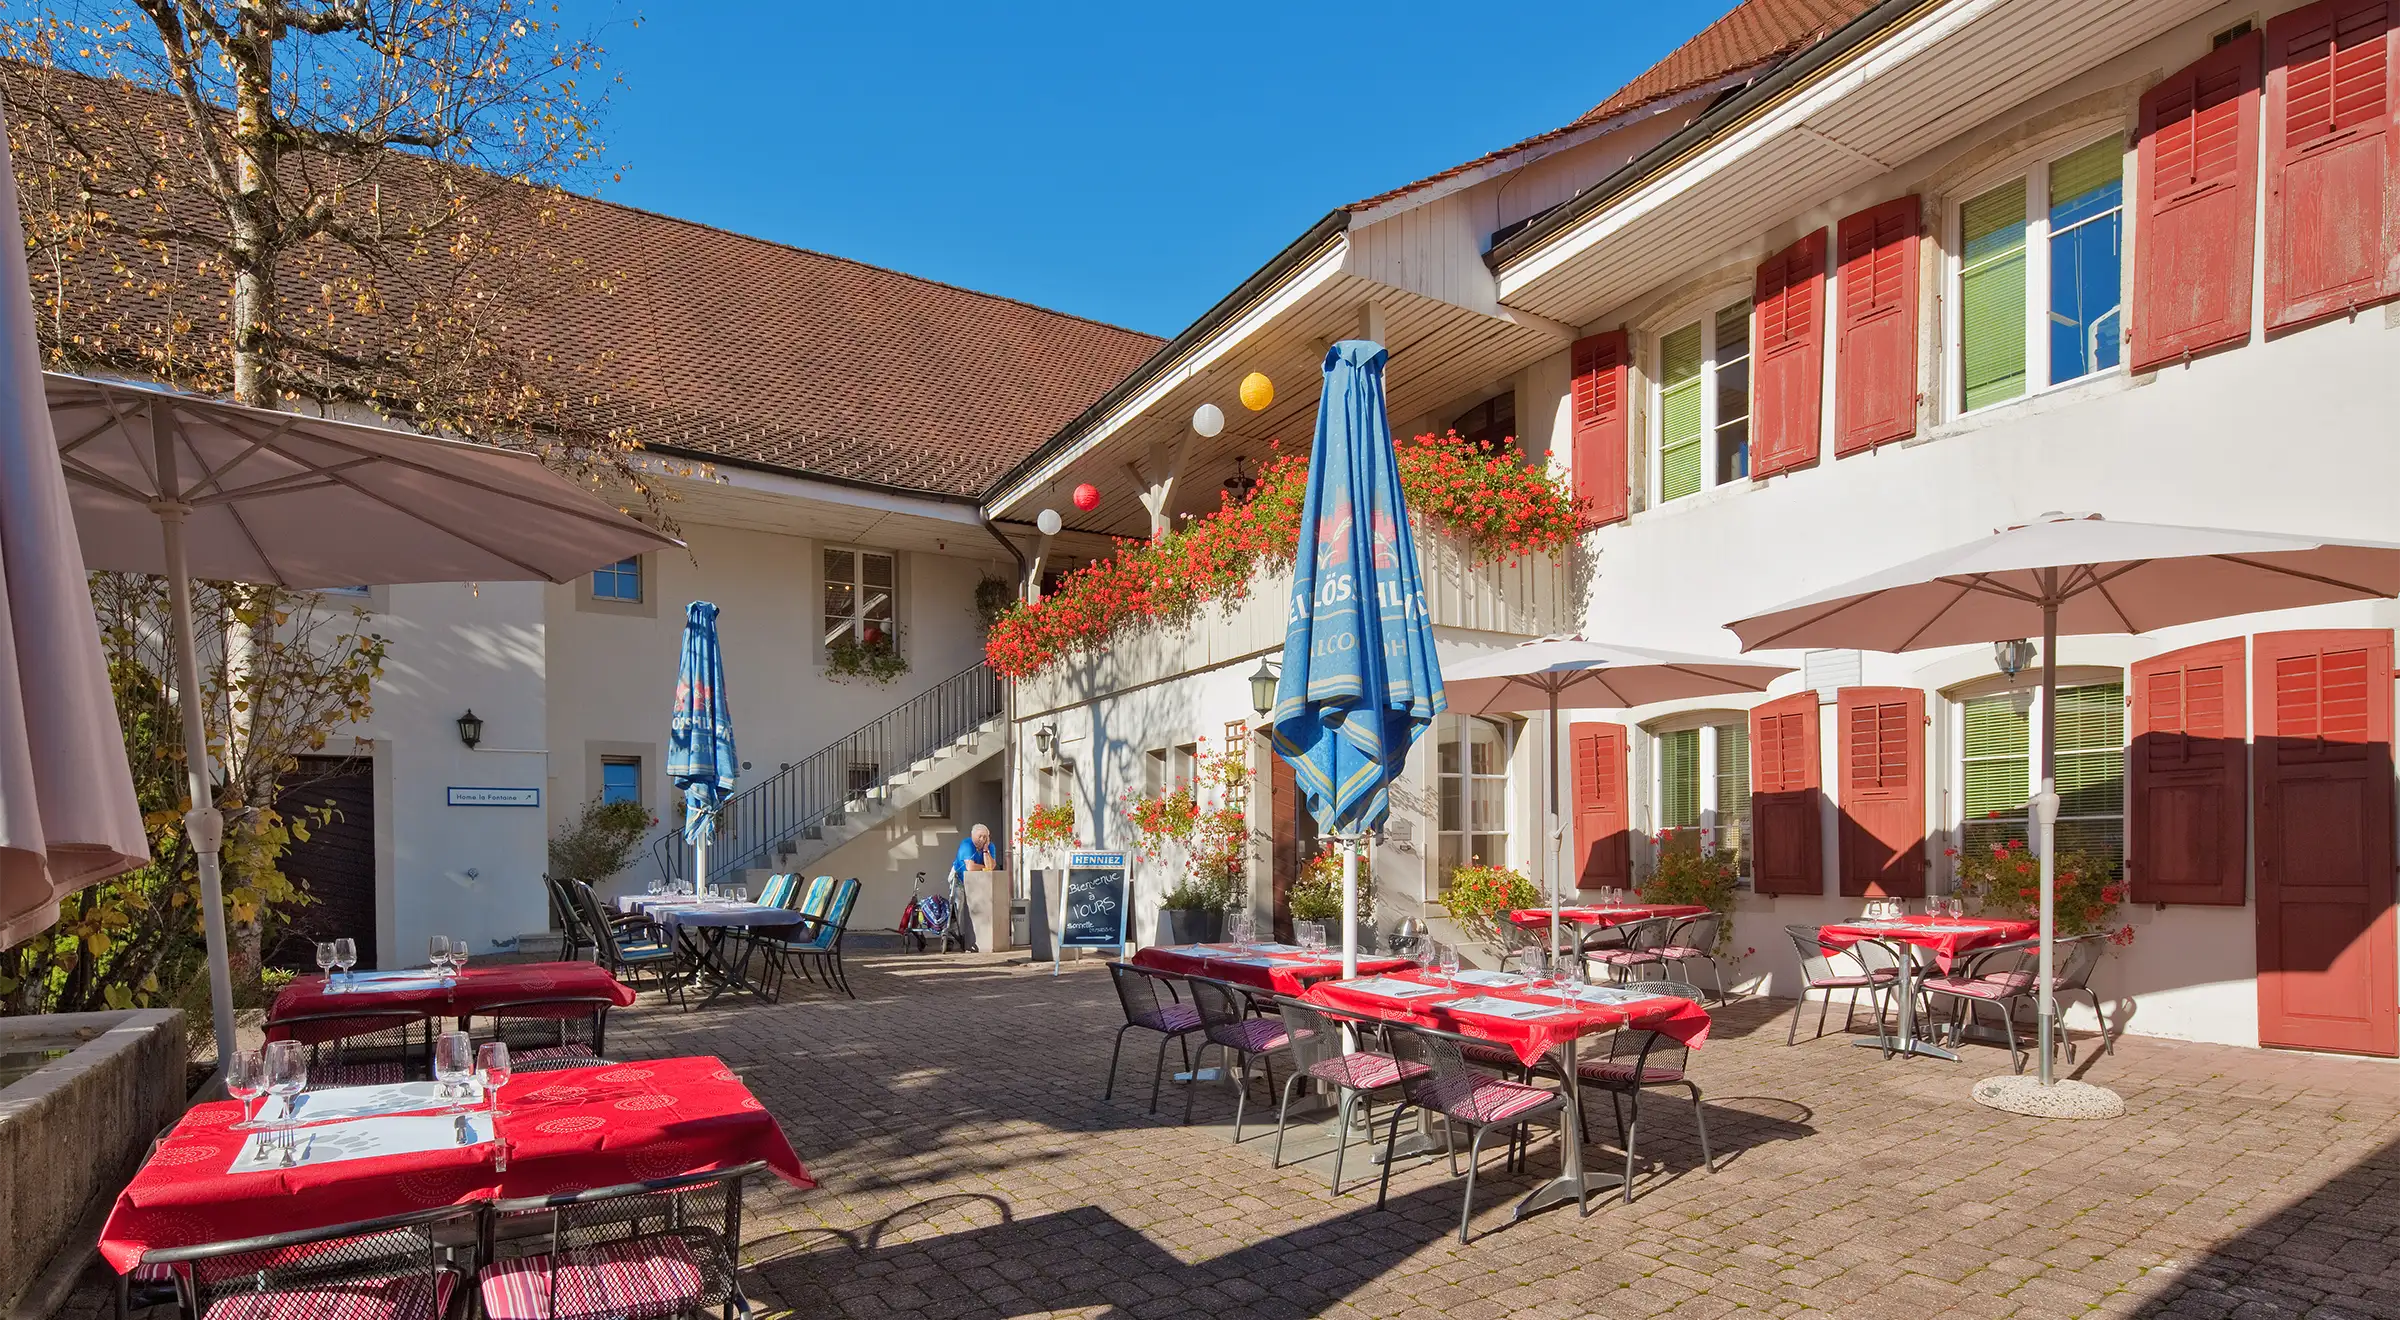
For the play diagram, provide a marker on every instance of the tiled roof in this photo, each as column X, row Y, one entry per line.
column 691, row 338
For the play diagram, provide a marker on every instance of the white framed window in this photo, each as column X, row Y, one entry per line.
column 1700, row 780
column 1700, row 403
column 862, row 597
column 1471, row 785
column 2037, row 277
column 1998, row 765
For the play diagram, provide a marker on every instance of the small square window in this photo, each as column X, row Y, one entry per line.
column 621, row 779
column 621, row 580
column 935, row 805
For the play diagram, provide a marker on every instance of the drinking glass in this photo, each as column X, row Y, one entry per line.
column 1958, row 906
column 1307, row 933
column 287, row 1076
column 453, row 1063
column 345, row 955
column 1450, row 965
column 325, row 960
column 1537, row 961
column 458, row 955
column 491, row 1069
column 245, row 1080
column 654, row 888
column 437, row 952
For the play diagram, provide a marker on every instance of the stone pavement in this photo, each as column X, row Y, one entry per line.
column 969, row 1168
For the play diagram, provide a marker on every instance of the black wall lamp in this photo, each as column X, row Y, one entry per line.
column 470, row 729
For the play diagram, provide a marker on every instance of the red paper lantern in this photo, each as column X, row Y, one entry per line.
column 1087, row 497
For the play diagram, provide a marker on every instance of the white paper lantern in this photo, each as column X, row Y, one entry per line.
column 1049, row 522
column 1208, row 420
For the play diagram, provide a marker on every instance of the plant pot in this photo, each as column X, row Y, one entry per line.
column 1193, row 925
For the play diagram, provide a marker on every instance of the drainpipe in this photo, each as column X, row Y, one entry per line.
column 1008, row 746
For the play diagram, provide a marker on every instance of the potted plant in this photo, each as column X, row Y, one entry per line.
column 1481, row 897
column 1691, row 869
column 875, row 657
column 1316, row 895
column 1044, row 828
column 1194, row 910
column 2005, row 881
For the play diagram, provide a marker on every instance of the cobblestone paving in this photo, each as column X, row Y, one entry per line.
column 969, row 1168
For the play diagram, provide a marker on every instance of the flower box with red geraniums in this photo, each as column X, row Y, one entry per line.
column 2006, row 881
column 1047, row 827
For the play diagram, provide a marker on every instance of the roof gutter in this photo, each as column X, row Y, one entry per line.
column 803, row 474
column 1292, row 257
column 1734, row 112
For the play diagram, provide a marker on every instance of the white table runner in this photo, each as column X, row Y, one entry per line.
column 364, row 1139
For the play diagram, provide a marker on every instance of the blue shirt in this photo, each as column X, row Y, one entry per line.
column 968, row 852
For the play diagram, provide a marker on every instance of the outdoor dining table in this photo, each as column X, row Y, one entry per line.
column 1530, row 1019
column 1612, row 915
column 1282, row 969
column 433, row 995
column 1945, row 938
column 702, row 926
column 396, row 1148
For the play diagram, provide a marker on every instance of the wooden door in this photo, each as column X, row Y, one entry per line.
column 1295, row 837
column 1603, row 821
column 2322, row 705
column 335, row 865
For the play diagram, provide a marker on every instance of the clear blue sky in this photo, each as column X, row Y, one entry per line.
column 1122, row 161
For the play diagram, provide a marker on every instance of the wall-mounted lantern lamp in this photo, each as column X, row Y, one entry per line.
column 470, row 729
column 1262, row 688
column 1045, row 739
column 2012, row 657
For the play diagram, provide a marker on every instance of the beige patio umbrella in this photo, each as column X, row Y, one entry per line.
column 1569, row 673
column 67, row 813
column 2077, row 574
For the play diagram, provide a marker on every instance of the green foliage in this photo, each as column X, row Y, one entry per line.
column 1481, row 897
column 1690, row 870
column 993, row 597
column 2005, row 881
column 1317, row 894
column 600, row 841
column 846, row 657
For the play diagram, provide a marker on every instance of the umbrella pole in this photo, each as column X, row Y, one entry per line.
column 2045, row 808
column 1551, row 860
column 204, row 825
column 1350, row 847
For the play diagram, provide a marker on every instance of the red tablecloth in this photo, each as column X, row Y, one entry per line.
column 1286, row 974
column 1529, row 1038
column 1945, row 937
column 1606, row 916
column 569, row 1130
column 476, row 988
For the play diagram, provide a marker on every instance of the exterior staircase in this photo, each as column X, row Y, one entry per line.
column 852, row 785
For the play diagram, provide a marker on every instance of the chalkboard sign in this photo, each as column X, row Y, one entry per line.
column 1094, row 901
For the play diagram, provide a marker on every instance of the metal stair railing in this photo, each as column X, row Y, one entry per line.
column 821, row 788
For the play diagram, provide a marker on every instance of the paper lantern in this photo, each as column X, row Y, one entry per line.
column 1087, row 497
column 1049, row 522
column 1208, row 419
column 1257, row 391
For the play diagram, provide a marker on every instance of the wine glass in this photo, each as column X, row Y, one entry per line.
column 325, row 960
column 437, row 952
column 458, row 955
column 345, row 955
column 1958, row 906
column 453, row 1064
column 1450, row 965
column 491, row 1069
column 287, row 1076
column 245, row 1080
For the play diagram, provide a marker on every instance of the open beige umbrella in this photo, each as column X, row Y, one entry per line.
column 1569, row 673
column 2076, row 574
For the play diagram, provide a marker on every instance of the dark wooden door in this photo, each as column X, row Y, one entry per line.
column 1295, row 836
column 335, row 866
column 2322, row 703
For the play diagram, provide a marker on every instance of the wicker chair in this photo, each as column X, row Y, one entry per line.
column 367, row 1047
column 1435, row 1077
column 1637, row 1060
column 1314, row 1039
column 631, row 946
column 639, row 1251
column 2003, row 976
column 1819, row 972
column 545, row 1035
column 1226, row 1023
column 391, row 1268
column 1171, row 1018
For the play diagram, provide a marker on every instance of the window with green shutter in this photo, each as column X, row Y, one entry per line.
column 1679, row 422
column 1991, row 296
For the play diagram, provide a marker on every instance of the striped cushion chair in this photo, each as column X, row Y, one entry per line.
column 383, row 1269
column 812, row 943
column 1173, row 1020
column 544, row 1035
column 1225, row 1022
column 1437, row 1079
column 1640, row 951
column 639, row 1251
column 1636, row 1061
column 360, row 1048
column 2001, row 975
column 1314, row 1039
column 1820, row 970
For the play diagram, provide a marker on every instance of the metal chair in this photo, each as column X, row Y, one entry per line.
column 545, row 1035
column 1314, row 1039
column 629, row 945
column 1634, row 1062
column 1818, row 972
column 572, row 932
column 1441, row 1082
column 1694, row 939
column 1171, row 1018
column 637, row 1251
column 2002, row 975
column 1642, row 941
column 1226, row 1023
column 391, row 1268
column 369, row 1047
column 2076, row 957
column 818, row 947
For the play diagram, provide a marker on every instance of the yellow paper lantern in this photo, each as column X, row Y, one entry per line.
column 1257, row 391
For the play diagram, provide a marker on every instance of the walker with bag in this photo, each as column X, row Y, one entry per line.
column 936, row 918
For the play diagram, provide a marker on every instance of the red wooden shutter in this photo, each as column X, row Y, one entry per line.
column 1875, row 362
column 1603, row 824
column 1786, row 856
column 2194, row 190
column 1603, row 425
column 2323, row 843
column 1787, row 408
column 2331, row 168
column 1883, row 792
column 2187, row 789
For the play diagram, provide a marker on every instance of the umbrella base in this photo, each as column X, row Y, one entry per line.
column 2021, row 1094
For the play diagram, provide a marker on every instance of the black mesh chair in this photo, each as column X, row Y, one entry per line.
column 371, row 1047
column 544, row 1035
column 1173, row 1020
column 391, row 1268
column 1636, row 1061
column 638, row 1251
column 1226, row 1023
column 2001, row 975
column 573, row 933
column 1435, row 1077
column 1313, row 1037
column 1819, row 970
column 631, row 946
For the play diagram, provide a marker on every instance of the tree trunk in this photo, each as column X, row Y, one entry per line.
column 252, row 211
